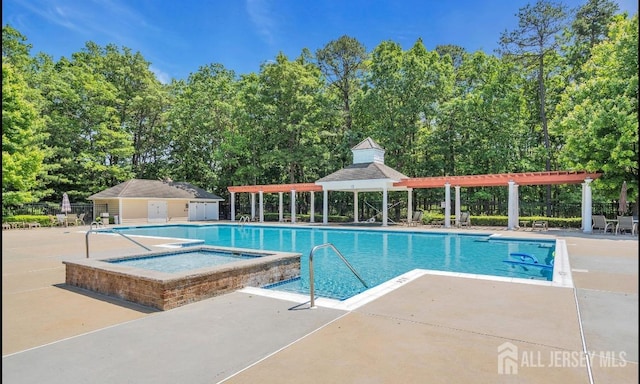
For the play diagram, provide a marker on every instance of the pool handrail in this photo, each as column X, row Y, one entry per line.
column 312, row 304
column 86, row 238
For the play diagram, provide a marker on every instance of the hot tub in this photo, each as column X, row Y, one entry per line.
column 166, row 290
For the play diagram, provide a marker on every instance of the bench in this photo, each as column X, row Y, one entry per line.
column 541, row 224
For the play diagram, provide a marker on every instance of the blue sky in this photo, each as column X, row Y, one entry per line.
column 179, row 36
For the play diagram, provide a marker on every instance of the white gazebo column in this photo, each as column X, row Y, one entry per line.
column 409, row 205
column 233, row 206
column 512, row 220
column 312, row 214
column 457, row 188
column 325, row 206
column 280, row 210
column 385, row 207
column 447, row 205
column 293, row 206
column 516, row 212
column 253, row 206
column 355, row 206
column 586, row 206
column 261, row 205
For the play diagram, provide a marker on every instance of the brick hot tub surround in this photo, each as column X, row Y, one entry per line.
column 165, row 291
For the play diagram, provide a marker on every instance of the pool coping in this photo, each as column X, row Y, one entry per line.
column 561, row 278
column 164, row 290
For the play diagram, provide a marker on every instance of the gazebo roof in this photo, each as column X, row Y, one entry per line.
column 364, row 171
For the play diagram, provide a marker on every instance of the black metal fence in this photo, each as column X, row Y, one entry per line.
column 499, row 208
column 48, row 209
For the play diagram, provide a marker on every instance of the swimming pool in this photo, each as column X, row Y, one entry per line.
column 377, row 255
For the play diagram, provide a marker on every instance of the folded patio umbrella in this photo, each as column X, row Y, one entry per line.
column 65, row 207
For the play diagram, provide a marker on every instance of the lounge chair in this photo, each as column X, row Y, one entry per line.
column 625, row 223
column 416, row 219
column 72, row 219
column 465, row 219
column 62, row 220
column 53, row 221
column 600, row 222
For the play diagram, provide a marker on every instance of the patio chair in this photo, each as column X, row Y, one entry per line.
column 72, row 219
column 417, row 218
column 600, row 222
column 625, row 223
column 465, row 219
column 53, row 221
column 61, row 220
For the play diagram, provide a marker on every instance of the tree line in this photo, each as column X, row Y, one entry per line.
column 561, row 93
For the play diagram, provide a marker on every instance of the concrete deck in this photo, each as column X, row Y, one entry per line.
column 433, row 329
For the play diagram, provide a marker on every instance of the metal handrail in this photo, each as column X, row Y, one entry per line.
column 244, row 219
column 86, row 238
column 311, row 284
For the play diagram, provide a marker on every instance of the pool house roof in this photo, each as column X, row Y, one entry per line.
column 155, row 189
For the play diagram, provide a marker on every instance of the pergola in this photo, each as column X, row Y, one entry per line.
column 368, row 173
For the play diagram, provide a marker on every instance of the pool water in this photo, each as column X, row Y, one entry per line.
column 183, row 261
column 377, row 255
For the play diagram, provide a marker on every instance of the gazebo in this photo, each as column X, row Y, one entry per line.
column 368, row 173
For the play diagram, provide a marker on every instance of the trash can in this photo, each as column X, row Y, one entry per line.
column 116, row 219
column 105, row 218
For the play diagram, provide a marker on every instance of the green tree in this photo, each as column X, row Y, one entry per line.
column 84, row 131
column 22, row 151
column 290, row 103
column 532, row 42
column 343, row 63
column 590, row 27
column 201, row 113
column 598, row 117
column 403, row 94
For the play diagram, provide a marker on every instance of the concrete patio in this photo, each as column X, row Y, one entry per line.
column 435, row 328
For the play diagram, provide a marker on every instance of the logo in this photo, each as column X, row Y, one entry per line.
column 510, row 359
column 507, row 359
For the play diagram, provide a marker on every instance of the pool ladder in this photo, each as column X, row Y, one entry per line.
column 244, row 219
column 312, row 304
column 86, row 238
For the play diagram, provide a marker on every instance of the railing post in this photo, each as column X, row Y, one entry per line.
column 311, row 280
column 312, row 302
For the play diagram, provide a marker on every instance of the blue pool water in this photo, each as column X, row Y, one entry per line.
column 183, row 261
column 377, row 255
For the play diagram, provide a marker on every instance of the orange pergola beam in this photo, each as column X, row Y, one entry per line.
column 502, row 179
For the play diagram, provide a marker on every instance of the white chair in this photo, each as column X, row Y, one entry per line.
column 465, row 219
column 600, row 222
column 417, row 218
column 62, row 219
column 625, row 223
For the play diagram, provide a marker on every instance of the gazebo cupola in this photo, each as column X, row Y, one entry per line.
column 368, row 151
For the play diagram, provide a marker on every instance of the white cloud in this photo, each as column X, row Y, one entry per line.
column 262, row 18
column 162, row 77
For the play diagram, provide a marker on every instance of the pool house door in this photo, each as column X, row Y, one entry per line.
column 199, row 211
column 157, row 212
